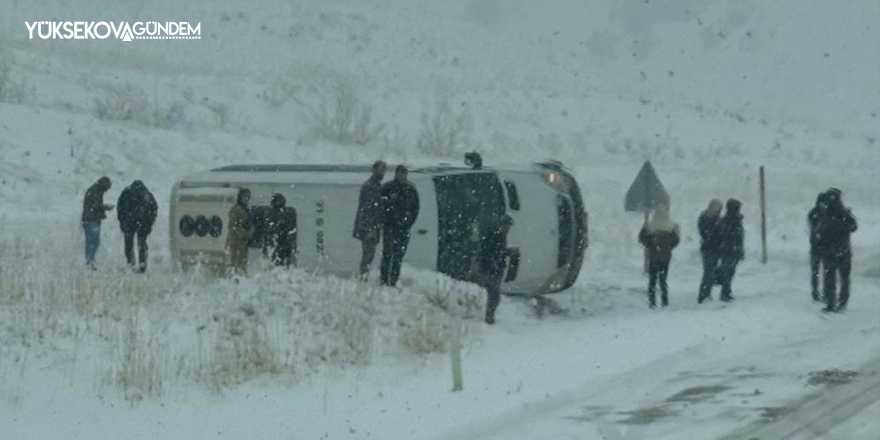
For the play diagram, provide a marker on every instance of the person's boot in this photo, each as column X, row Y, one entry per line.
column 490, row 319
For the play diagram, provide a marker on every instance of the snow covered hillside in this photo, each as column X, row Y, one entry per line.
column 706, row 90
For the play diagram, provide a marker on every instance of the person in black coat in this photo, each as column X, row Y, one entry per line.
column 814, row 217
column 709, row 241
column 835, row 250
column 282, row 231
column 94, row 212
column 400, row 202
column 137, row 209
column 368, row 219
column 731, row 236
column 494, row 255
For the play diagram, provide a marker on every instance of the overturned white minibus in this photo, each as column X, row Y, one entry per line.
column 550, row 224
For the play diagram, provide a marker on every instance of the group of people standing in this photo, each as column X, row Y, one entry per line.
column 385, row 212
column 721, row 249
column 136, row 211
column 272, row 227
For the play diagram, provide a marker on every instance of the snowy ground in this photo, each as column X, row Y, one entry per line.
column 708, row 91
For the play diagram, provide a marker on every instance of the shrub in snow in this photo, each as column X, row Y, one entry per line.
column 12, row 91
column 341, row 114
column 123, row 102
column 445, row 129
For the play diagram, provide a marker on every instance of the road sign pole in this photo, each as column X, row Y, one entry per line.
column 647, row 263
column 763, row 219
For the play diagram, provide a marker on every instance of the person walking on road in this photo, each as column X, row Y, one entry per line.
column 136, row 212
column 400, row 203
column 494, row 256
column 240, row 231
column 94, row 212
column 368, row 219
column 835, row 250
column 659, row 236
column 731, row 251
column 707, row 225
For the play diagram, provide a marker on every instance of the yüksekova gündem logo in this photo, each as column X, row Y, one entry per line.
column 101, row 30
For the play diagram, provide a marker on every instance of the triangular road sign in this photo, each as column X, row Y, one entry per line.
column 646, row 191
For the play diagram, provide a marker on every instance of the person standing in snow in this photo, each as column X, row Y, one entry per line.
column 731, row 251
column 494, row 255
column 94, row 212
column 240, row 231
column 814, row 218
column 659, row 236
column 136, row 212
column 282, row 227
column 835, row 250
column 707, row 225
column 368, row 219
column 400, row 204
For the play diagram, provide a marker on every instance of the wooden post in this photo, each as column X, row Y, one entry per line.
column 763, row 220
column 455, row 354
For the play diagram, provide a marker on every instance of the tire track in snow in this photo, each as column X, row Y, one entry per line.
column 815, row 415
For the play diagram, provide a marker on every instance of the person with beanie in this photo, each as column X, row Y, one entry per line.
column 659, row 236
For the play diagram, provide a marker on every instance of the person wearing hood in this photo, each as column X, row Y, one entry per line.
column 240, row 231
column 814, row 218
column 94, row 212
column 659, row 236
column 835, row 249
column 707, row 225
column 136, row 213
column 731, row 251
column 282, row 227
column 368, row 219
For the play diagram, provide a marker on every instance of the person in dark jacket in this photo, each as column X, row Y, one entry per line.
column 368, row 219
column 240, row 229
column 731, row 251
column 94, row 212
column 659, row 236
column 400, row 204
column 494, row 255
column 707, row 225
column 835, row 250
column 814, row 217
column 282, row 231
column 136, row 212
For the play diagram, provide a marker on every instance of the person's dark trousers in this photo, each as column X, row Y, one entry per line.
column 368, row 252
column 93, row 241
column 282, row 256
column 833, row 266
column 657, row 271
column 492, row 284
column 728, row 270
column 710, row 263
column 815, row 264
column 141, row 262
column 394, row 245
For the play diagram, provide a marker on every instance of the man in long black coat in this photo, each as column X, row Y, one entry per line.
column 136, row 212
column 494, row 255
column 709, row 242
column 730, row 246
column 814, row 217
column 368, row 219
column 400, row 202
column 834, row 248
